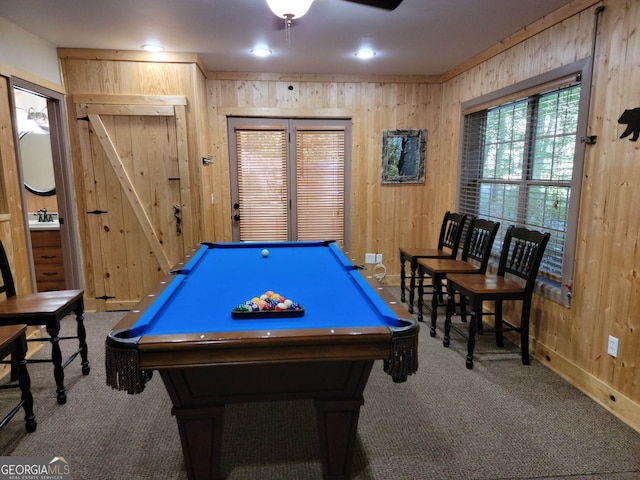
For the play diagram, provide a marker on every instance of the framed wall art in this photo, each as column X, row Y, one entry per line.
column 403, row 156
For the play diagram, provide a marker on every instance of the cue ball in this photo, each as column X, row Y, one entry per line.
column 265, row 253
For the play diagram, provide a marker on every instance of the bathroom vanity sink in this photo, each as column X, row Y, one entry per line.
column 46, row 245
column 48, row 221
column 54, row 225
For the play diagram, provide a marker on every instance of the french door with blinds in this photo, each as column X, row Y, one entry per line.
column 289, row 179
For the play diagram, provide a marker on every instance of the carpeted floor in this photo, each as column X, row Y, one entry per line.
column 499, row 421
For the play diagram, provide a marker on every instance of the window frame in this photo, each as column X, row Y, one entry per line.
column 559, row 292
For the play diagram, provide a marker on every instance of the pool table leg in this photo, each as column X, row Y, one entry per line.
column 337, row 428
column 201, row 436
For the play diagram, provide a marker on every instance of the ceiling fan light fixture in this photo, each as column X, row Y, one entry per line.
column 153, row 48
column 289, row 9
column 261, row 52
column 365, row 54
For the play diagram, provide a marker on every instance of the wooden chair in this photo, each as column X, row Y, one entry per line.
column 45, row 308
column 520, row 257
column 13, row 341
column 448, row 243
column 474, row 260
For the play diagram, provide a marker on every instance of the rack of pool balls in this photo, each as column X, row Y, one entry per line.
column 269, row 304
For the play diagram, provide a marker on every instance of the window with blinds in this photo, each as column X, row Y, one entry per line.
column 262, row 184
column 289, row 179
column 320, row 184
column 517, row 166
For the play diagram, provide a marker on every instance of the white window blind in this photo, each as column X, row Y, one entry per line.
column 517, row 166
column 262, row 183
column 320, row 184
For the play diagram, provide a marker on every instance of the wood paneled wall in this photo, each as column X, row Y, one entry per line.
column 606, row 288
column 382, row 216
column 12, row 229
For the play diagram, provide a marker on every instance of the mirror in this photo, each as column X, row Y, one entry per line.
column 37, row 163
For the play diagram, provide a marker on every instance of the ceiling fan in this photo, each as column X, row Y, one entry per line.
column 294, row 9
column 385, row 4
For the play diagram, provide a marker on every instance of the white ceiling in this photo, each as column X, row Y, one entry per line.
column 420, row 37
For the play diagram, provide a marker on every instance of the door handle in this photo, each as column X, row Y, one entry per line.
column 177, row 214
column 236, row 217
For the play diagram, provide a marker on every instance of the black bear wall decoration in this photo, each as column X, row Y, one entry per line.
column 632, row 119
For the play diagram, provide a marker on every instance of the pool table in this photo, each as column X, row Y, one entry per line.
column 185, row 329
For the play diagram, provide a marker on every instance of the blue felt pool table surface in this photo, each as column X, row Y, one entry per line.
column 220, row 276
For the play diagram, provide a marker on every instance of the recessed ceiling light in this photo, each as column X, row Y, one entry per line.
column 153, row 48
column 365, row 54
column 261, row 52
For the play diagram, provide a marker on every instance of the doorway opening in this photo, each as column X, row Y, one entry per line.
column 47, row 197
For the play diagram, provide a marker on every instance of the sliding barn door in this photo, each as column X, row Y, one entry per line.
column 136, row 172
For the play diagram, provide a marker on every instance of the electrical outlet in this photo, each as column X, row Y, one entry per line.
column 612, row 348
column 369, row 258
column 378, row 258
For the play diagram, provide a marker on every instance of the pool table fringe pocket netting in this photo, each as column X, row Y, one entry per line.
column 123, row 371
column 403, row 358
